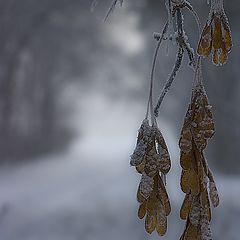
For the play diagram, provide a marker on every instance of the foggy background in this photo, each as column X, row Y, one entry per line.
column 73, row 92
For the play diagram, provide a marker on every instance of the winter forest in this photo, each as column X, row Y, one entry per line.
column 73, row 91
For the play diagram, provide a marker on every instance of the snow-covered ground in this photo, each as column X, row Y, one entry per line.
column 88, row 193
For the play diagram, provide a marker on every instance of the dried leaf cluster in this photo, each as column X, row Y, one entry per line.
column 151, row 157
column 152, row 161
column 196, row 179
column 216, row 35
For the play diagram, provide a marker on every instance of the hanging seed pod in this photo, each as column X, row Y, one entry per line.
column 213, row 194
column 142, row 210
column 143, row 138
column 163, row 196
column 165, row 162
column 151, row 154
column 146, row 186
column 195, row 212
column 191, row 232
column 197, row 180
column 186, row 206
column 205, row 230
column 216, row 35
column 156, row 208
column 151, row 158
column 205, row 45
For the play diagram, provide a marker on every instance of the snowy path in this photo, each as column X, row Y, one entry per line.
column 88, row 193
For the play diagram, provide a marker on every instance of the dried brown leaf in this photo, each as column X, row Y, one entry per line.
column 186, row 206
column 163, row 196
column 205, row 43
column 226, row 33
column 161, row 226
column 217, row 32
column 194, row 184
column 185, row 185
column 192, row 232
column 142, row 210
column 185, row 142
column 150, row 223
column 205, row 202
column 185, row 160
column 213, row 192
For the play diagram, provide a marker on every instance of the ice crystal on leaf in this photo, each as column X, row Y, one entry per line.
column 213, row 193
column 196, row 176
column 146, row 186
column 144, row 135
column 205, row 229
column 151, row 154
column 216, row 35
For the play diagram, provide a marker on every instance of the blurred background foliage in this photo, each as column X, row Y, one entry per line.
column 50, row 48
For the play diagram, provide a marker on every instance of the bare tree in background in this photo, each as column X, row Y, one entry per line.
column 30, row 119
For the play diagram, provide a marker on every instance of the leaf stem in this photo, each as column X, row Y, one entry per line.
column 150, row 100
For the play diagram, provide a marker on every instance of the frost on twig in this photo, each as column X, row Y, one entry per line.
column 170, row 80
column 182, row 46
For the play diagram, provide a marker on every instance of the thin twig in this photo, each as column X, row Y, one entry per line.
column 170, row 80
column 181, row 42
column 191, row 55
column 194, row 13
column 197, row 81
column 150, row 100
column 112, row 7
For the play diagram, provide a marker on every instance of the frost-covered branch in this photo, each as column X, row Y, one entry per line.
column 170, row 80
column 181, row 45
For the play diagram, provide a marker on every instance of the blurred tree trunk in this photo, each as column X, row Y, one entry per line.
column 20, row 22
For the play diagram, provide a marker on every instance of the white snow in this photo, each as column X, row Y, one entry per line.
column 89, row 193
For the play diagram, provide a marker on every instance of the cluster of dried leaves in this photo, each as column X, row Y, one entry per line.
column 216, row 35
column 151, row 159
column 196, row 179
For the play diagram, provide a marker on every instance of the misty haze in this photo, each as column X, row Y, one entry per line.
column 73, row 92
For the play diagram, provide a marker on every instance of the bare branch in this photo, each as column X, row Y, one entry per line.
column 159, row 38
column 112, row 7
